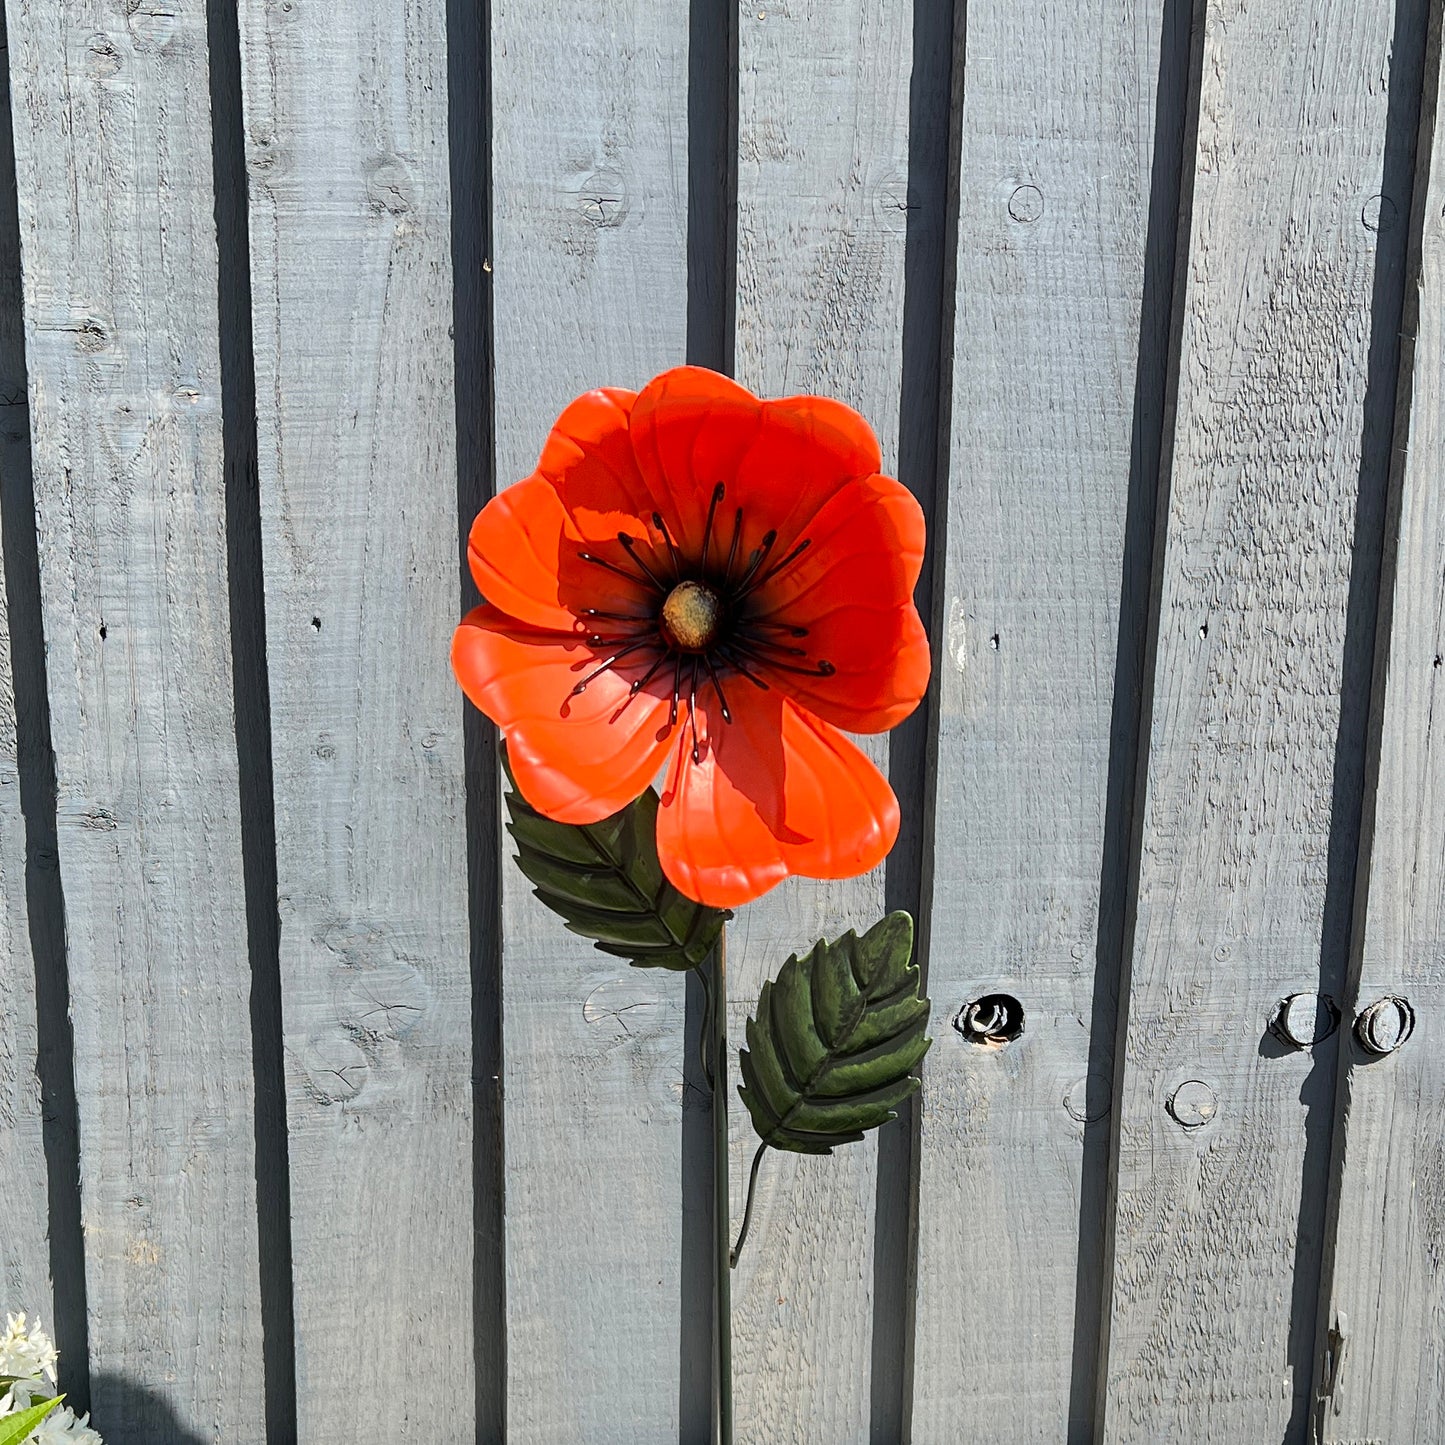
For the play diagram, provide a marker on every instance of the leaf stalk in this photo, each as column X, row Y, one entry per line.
column 748, row 1207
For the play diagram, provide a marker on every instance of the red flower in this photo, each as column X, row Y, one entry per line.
column 697, row 577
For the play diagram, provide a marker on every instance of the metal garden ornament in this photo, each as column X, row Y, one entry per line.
column 703, row 585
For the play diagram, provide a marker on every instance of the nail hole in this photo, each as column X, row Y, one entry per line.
column 1437, row 659
column 994, row 1020
column 316, row 624
column 103, row 632
column 993, row 642
column 1204, row 630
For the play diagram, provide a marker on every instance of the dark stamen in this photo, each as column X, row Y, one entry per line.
column 759, row 625
column 717, row 688
column 596, row 639
column 823, row 669
column 630, row 547
column 613, row 567
column 733, row 550
column 606, row 666
column 717, row 496
column 777, row 569
column 614, row 616
column 727, row 656
column 692, row 711
column 647, row 676
column 676, row 691
column 639, row 683
column 754, row 562
column 772, row 646
column 671, row 550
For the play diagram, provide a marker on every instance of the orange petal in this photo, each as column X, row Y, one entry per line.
column 853, row 590
column 716, row 828
column 575, row 758
column 589, row 459
column 836, row 798
column 777, row 792
column 690, row 429
column 807, row 448
column 527, row 558
column 779, row 460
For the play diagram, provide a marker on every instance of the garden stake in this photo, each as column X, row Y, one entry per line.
column 721, row 1224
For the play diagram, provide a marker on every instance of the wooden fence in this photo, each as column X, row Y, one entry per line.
column 313, row 1126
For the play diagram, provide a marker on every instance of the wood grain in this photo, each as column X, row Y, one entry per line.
column 1055, row 424
column 346, row 134
column 1385, row 1365
column 590, row 171
column 822, row 192
column 113, row 158
column 1252, row 788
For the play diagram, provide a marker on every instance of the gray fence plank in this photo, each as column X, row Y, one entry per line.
column 1246, row 829
column 24, row 1259
column 590, row 241
column 822, row 188
column 1384, row 1349
column 116, row 217
column 346, row 122
column 1054, row 418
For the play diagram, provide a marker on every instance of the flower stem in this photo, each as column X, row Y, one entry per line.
column 721, row 1225
column 748, row 1208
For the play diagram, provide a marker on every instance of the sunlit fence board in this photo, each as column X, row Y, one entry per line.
column 1382, row 1350
column 24, row 1265
column 1290, row 320
column 350, row 224
column 113, row 161
column 1065, row 252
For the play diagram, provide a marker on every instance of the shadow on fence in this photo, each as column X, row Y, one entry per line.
column 129, row 1413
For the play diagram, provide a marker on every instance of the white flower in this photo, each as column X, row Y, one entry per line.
column 28, row 1354
column 60, row 1427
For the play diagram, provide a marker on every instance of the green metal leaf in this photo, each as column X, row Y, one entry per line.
column 837, row 1035
column 15, row 1428
column 605, row 881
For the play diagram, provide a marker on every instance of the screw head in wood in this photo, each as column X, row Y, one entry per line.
column 1304, row 1019
column 1193, row 1103
column 1385, row 1025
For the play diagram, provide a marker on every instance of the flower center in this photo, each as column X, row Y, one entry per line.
column 701, row 629
column 690, row 616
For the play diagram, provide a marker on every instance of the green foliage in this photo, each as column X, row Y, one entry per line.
column 836, row 1038
column 606, row 882
column 15, row 1428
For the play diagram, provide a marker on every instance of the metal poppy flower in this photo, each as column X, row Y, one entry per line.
column 697, row 578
